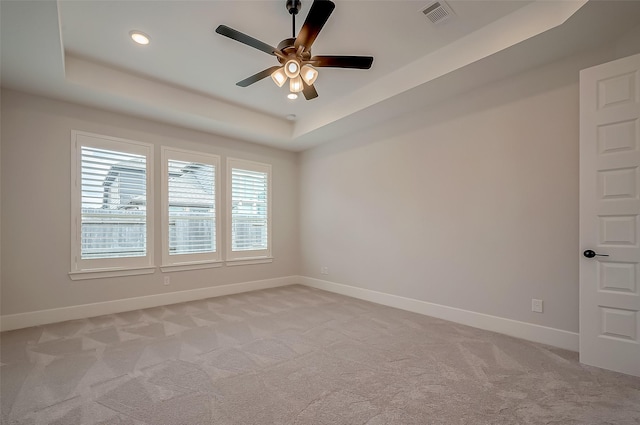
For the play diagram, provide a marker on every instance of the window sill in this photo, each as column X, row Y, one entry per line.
column 249, row 261
column 102, row 273
column 179, row 267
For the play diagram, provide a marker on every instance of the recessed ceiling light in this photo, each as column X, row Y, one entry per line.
column 292, row 96
column 139, row 37
column 291, row 117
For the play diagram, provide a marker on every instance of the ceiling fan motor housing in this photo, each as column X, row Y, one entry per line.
column 288, row 50
column 286, row 44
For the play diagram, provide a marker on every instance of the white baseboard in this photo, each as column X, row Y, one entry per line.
column 43, row 317
column 529, row 331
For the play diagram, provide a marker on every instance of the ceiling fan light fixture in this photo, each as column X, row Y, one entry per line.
column 292, row 68
column 279, row 77
column 295, row 84
column 294, row 53
column 309, row 74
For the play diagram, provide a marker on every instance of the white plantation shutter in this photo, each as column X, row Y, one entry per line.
column 192, row 213
column 249, row 211
column 114, row 196
column 112, row 206
column 250, row 221
column 189, row 207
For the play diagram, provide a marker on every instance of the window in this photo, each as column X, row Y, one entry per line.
column 249, row 211
column 189, row 207
column 112, row 217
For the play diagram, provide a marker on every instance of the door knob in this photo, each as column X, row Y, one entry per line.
column 590, row 254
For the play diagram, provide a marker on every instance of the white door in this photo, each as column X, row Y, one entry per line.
column 609, row 215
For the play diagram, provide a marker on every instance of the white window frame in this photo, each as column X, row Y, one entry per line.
column 181, row 262
column 235, row 258
column 108, row 267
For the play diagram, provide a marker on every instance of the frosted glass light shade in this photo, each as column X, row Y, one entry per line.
column 309, row 74
column 279, row 77
column 295, row 85
column 292, row 68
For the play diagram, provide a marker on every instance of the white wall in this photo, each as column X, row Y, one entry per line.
column 471, row 204
column 36, row 188
column 0, row 203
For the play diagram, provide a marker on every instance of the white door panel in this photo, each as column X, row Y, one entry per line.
column 610, row 215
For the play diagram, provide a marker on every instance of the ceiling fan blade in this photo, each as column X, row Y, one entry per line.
column 257, row 77
column 309, row 91
column 358, row 62
column 317, row 17
column 245, row 39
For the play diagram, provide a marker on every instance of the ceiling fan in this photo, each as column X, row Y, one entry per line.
column 294, row 54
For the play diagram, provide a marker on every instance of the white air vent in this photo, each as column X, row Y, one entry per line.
column 437, row 12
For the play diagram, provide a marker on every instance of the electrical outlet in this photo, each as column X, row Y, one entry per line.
column 324, row 270
column 536, row 305
column 167, row 280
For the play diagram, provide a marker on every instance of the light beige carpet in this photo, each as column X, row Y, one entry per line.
column 296, row 355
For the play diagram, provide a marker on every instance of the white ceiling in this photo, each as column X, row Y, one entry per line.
column 80, row 51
